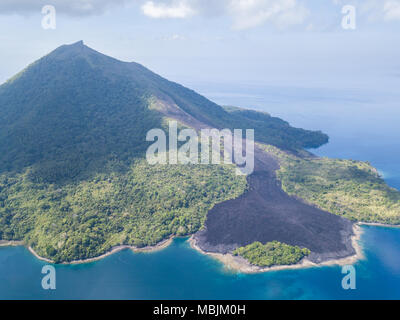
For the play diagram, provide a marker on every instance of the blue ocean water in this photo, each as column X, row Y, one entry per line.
column 362, row 124
column 179, row 272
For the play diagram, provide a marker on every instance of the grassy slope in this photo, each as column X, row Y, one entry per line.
column 352, row 189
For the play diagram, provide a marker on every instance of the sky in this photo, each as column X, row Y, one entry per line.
column 295, row 42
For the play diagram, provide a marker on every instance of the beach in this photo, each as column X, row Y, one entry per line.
column 230, row 261
column 162, row 245
column 242, row 265
column 378, row 224
column 7, row 243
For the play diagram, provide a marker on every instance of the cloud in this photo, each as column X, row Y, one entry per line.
column 177, row 37
column 69, row 7
column 380, row 10
column 244, row 13
column 375, row 10
column 177, row 9
column 391, row 10
column 252, row 13
column 173, row 37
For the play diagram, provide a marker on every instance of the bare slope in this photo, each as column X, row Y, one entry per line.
column 266, row 213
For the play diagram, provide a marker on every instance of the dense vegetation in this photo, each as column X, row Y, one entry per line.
column 271, row 254
column 75, row 110
column 352, row 189
column 67, row 119
column 272, row 130
column 140, row 207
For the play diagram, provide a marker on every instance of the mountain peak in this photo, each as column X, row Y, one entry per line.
column 71, row 50
column 75, row 45
column 78, row 43
column 78, row 50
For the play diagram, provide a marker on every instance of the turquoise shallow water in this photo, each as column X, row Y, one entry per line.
column 179, row 272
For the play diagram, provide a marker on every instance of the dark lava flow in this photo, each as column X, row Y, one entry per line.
column 266, row 213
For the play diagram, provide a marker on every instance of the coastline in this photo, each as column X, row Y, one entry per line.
column 242, row 265
column 11, row 243
column 39, row 257
column 159, row 246
column 376, row 224
column 228, row 260
column 149, row 249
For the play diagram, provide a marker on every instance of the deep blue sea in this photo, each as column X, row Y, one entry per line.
column 363, row 124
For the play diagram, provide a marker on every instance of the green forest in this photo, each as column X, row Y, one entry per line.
column 352, row 189
column 273, row 253
column 140, row 207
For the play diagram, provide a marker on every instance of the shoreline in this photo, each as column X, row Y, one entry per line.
column 377, row 224
column 228, row 260
column 149, row 249
column 39, row 257
column 240, row 264
column 11, row 243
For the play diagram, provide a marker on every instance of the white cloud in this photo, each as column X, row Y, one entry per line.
column 173, row 37
column 252, row 13
column 380, row 10
column 177, row 37
column 244, row 13
column 375, row 10
column 177, row 9
column 391, row 10
column 69, row 7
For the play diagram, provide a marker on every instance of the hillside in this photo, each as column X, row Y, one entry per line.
column 348, row 188
column 73, row 182
column 74, row 110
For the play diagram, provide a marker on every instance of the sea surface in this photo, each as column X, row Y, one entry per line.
column 363, row 124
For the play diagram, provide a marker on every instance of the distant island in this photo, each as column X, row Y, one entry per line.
column 75, row 184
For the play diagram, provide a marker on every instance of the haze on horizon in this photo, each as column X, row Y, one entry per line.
column 291, row 42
